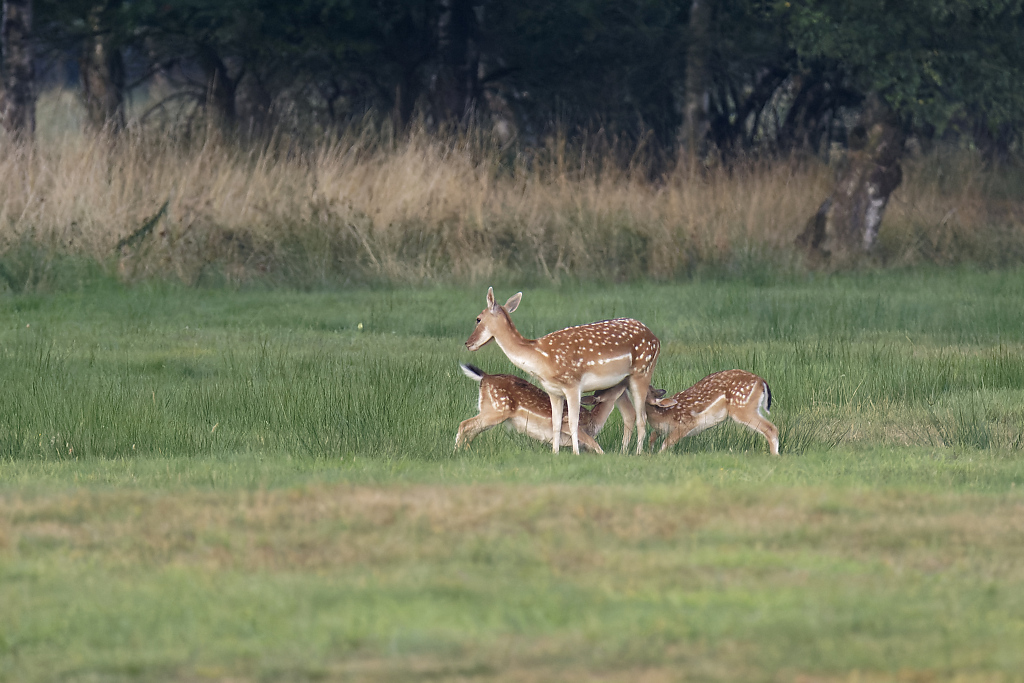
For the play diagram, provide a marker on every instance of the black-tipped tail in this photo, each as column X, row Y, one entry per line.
column 768, row 391
column 472, row 372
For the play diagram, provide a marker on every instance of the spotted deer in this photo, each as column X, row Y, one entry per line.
column 738, row 394
column 527, row 409
column 575, row 360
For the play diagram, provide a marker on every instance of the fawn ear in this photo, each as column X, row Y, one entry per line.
column 513, row 302
column 490, row 297
column 657, row 393
column 589, row 400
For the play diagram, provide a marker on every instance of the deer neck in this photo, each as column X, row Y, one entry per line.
column 657, row 415
column 520, row 350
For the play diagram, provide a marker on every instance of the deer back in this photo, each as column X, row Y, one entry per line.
column 509, row 394
column 620, row 346
column 737, row 387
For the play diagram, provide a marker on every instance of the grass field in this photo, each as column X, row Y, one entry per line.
column 204, row 484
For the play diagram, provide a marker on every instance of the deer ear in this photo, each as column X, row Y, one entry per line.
column 490, row 297
column 657, row 393
column 513, row 302
column 589, row 401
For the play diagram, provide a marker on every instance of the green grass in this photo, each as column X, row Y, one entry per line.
column 212, row 484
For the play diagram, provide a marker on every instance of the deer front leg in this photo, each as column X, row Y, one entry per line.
column 572, row 399
column 590, row 443
column 557, row 404
column 674, row 436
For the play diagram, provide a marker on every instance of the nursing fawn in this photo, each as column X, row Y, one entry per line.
column 527, row 409
column 737, row 394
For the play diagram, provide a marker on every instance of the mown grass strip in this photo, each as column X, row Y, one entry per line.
column 299, row 581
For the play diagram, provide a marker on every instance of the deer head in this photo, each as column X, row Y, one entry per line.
column 492, row 319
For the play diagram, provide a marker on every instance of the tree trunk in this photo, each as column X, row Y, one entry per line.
column 18, row 110
column 695, row 110
column 254, row 106
column 102, row 72
column 846, row 224
column 411, row 45
column 220, row 88
column 405, row 98
column 458, row 85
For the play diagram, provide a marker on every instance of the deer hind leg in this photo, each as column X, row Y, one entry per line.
column 638, row 386
column 469, row 429
column 766, row 428
column 628, row 420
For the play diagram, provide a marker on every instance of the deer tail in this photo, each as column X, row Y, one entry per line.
column 472, row 372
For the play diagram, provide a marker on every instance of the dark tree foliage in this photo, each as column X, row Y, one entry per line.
column 91, row 34
column 579, row 63
column 772, row 76
column 924, row 66
column 17, row 106
column 939, row 64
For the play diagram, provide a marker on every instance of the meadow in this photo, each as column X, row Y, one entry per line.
column 259, row 484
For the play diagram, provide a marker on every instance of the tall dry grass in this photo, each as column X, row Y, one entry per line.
column 954, row 208
column 365, row 206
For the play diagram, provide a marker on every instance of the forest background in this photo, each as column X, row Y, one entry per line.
column 336, row 141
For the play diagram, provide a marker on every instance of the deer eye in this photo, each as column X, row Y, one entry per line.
column 478, row 319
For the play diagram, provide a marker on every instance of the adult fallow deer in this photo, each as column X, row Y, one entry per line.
column 569, row 362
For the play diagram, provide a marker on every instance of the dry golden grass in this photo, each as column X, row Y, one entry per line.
column 365, row 206
column 951, row 209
